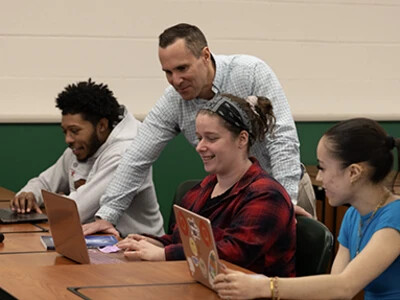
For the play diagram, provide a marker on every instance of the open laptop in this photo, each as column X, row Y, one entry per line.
column 8, row 216
column 199, row 245
column 66, row 230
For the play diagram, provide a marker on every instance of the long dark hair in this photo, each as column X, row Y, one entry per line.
column 364, row 140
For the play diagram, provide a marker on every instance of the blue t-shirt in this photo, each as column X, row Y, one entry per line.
column 386, row 285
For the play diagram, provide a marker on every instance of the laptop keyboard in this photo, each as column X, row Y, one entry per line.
column 9, row 216
column 97, row 257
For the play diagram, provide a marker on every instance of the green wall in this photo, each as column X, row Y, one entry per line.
column 27, row 149
column 310, row 133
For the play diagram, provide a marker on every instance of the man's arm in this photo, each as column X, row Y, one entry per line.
column 157, row 130
column 87, row 195
column 53, row 179
column 283, row 147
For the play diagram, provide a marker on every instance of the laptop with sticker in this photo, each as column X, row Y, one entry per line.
column 198, row 244
column 67, row 233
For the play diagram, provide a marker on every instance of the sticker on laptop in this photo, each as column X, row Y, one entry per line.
column 193, row 246
column 195, row 260
column 212, row 266
column 205, row 234
column 191, row 266
column 182, row 223
column 203, row 268
column 194, row 229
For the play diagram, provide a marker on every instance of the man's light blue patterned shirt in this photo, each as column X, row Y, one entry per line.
column 240, row 75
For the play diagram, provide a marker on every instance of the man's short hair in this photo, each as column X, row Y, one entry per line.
column 93, row 101
column 194, row 38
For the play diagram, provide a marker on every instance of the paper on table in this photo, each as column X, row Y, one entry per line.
column 109, row 249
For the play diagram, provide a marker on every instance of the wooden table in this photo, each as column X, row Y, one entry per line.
column 24, row 227
column 42, row 258
column 134, row 280
column 28, row 271
column 5, row 194
column 22, row 238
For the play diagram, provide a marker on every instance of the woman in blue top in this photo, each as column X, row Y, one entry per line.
column 354, row 158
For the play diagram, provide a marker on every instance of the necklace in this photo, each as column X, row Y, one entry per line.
column 361, row 225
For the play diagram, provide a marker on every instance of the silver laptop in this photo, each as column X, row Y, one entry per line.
column 66, row 230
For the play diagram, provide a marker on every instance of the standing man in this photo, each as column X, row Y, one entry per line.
column 196, row 76
column 97, row 130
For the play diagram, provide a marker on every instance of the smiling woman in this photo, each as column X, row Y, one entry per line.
column 251, row 213
column 355, row 156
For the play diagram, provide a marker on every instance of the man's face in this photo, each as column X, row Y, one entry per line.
column 80, row 135
column 188, row 74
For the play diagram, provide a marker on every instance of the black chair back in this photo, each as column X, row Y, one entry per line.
column 314, row 247
column 181, row 190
